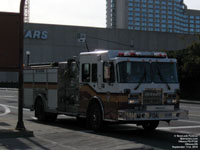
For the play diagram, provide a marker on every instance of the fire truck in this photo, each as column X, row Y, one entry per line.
column 106, row 86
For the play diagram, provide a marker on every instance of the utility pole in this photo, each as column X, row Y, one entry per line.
column 27, row 11
column 20, row 123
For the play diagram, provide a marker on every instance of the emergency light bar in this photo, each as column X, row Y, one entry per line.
column 142, row 54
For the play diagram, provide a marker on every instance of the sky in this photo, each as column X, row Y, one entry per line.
column 70, row 12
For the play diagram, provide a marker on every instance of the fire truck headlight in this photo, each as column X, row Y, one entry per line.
column 171, row 99
column 133, row 101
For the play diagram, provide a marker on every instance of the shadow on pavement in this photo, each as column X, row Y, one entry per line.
column 159, row 139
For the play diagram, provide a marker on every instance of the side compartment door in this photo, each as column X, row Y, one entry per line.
column 68, row 88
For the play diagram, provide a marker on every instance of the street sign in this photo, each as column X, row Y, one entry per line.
column 9, row 41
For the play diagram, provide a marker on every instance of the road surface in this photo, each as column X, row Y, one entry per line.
column 67, row 133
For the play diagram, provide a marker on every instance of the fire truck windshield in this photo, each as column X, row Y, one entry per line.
column 144, row 72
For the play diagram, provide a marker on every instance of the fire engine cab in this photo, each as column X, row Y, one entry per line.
column 106, row 86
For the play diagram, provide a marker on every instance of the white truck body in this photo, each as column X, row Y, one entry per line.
column 127, row 86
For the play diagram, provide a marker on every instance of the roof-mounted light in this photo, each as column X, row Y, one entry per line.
column 142, row 54
column 160, row 54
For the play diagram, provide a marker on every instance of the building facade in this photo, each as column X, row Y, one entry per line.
column 56, row 43
column 153, row 15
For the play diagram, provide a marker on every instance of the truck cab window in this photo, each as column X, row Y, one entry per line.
column 85, row 72
column 108, row 72
column 94, row 72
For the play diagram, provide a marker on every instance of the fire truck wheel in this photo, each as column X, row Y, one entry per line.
column 94, row 118
column 42, row 115
column 150, row 125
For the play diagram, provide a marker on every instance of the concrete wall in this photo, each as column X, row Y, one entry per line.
column 62, row 42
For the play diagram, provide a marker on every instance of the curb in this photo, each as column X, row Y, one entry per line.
column 11, row 133
column 190, row 102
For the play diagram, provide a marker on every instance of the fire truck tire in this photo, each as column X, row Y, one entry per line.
column 94, row 117
column 41, row 114
column 150, row 125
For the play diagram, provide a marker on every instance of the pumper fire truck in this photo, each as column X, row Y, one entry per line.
column 106, row 86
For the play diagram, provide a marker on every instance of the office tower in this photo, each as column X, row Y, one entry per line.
column 153, row 15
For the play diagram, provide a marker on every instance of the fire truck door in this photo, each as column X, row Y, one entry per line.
column 99, row 75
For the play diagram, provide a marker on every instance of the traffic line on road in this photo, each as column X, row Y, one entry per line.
column 6, row 110
column 14, row 107
column 179, row 127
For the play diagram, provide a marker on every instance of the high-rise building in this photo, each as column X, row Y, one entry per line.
column 153, row 15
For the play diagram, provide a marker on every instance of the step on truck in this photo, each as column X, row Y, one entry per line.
column 106, row 86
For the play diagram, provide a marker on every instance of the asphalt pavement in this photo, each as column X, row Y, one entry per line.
column 67, row 134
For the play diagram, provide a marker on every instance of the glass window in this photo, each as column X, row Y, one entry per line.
column 164, row 72
column 191, row 17
column 157, row 1
column 157, row 20
column 108, row 72
column 150, row 6
column 130, row 9
column 157, row 25
column 150, row 15
column 137, row 14
column 137, row 28
column 150, row 19
column 85, row 72
column 130, row 18
column 157, row 16
column 150, row 10
column 130, row 4
column 157, row 29
column 137, row 9
column 191, row 21
column 150, row 24
column 94, row 72
column 137, row 18
column 150, row 29
column 137, row 4
column 133, row 72
column 137, row 23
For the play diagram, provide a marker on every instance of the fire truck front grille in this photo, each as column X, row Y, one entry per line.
column 152, row 97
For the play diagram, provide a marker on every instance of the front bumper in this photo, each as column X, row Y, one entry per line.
column 132, row 115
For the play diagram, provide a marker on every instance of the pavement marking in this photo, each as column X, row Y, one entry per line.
column 179, row 127
column 14, row 107
column 34, row 118
column 6, row 110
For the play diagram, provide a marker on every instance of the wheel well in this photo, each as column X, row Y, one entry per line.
column 96, row 101
column 38, row 98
